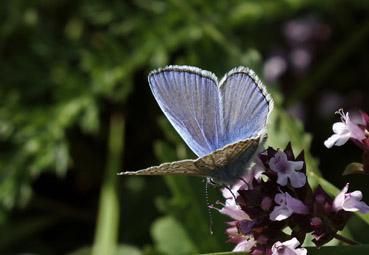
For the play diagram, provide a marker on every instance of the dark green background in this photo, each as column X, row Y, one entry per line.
column 68, row 68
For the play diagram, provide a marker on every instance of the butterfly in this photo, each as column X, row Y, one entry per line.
column 222, row 122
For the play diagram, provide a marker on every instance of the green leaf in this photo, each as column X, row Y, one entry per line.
column 170, row 237
column 354, row 168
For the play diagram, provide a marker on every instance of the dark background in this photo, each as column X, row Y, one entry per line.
column 74, row 73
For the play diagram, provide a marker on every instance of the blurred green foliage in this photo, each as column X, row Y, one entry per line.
column 67, row 67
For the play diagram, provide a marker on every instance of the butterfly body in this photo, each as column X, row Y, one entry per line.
column 235, row 168
column 222, row 122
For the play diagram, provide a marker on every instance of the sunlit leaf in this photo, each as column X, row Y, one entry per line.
column 354, row 168
column 170, row 237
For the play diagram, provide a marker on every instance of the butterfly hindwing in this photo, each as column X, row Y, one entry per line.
column 182, row 167
column 212, row 165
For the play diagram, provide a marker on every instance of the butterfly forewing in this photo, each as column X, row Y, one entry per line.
column 245, row 105
column 189, row 99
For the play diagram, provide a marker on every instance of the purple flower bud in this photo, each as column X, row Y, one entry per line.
column 262, row 239
column 316, row 222
column 258, row 251
column 266, row 203
column 246, row 226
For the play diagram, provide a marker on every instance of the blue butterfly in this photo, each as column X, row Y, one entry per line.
column 222, row 122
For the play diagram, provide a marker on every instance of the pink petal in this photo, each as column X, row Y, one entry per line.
column 356, row 132
column 340, row 199
column 353, row 205
column 280, row 198
column 228, row 195
column 288, row 248
column 234, row 212
column 357, row 194
column 293, row 243
column 340, row 128
column 337, row 140
column 282, row 179
column 278, row 162
column 363, row 207
column 296, row 165
column 245, row 245
column 296, row 205
column 280, row 213
column 297, row 179
column 232, row 231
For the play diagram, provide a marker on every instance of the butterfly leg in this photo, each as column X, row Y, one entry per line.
column 245, row 182
column 230, row 190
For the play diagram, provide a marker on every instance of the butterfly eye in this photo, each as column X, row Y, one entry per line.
column 211, row 181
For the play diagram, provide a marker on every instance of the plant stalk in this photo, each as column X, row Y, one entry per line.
column 346, row 240
column 107, row 226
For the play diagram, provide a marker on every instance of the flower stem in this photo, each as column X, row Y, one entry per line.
column 345, row 239
column 106, row 233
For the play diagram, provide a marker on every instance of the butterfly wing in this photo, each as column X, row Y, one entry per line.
column 223, row 125
column 212, row 165
column 189, row 98
column 182, row 167
column 245, row 105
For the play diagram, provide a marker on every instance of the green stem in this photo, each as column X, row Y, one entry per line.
column 106, row 233
column 345, row 239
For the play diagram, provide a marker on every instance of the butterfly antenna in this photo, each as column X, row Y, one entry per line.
column 211, row 223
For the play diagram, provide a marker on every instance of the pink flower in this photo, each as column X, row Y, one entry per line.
column 344, row 130
column 350, row 202
column 243, row 242
column 287, row 169
column 288, row 248
column 230, row 194
column 231, row 208
column 287, row 205
column 234, row 212
column 245, row 245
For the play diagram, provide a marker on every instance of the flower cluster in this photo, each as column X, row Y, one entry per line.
column 279, row 198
